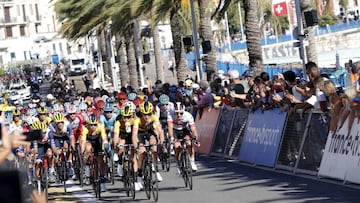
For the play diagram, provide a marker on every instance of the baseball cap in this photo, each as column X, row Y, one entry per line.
column 233, row 74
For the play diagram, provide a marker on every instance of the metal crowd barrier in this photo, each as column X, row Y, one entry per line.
column 299, row 143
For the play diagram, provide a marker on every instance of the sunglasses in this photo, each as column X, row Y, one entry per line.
column 62, row 122
column 16, row 116
column 126, row 117
column 146, row 114
column 93, row 124
column 108, row 111
column 179, row 113
column 72, row 114
column 164, row 104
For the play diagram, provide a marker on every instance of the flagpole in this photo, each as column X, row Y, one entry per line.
column 289, row 19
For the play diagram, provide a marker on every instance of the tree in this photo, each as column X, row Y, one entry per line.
column 206, row 33
column 252, row 31
column 311, row 52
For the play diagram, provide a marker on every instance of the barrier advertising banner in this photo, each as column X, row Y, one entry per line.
column 262, row 137
column 341, row 159
column 206, row 126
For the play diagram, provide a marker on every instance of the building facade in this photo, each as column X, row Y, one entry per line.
column 28, row 31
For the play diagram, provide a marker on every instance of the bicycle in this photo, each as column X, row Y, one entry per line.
column 185, row 163
column 95, row 173
column 78, row 164
column 151, row 184
column 45, row 175
column 165, row 157
column 110, row 166
column 62, row 172
column 129, row 177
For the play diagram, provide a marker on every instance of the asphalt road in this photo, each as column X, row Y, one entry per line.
column 219, row 180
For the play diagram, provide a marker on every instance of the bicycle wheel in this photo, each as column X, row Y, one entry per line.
column 111, row 167
column 64, row 173
column 45, row 176
column 97, row 180
column 167, row 156
column 189, row 179
column 126, row 177
column 79, row 168
column 147, row 176
column 183, row 168
column 131, row 179
column 155, row 186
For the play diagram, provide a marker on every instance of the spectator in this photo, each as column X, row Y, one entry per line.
column 235, row 88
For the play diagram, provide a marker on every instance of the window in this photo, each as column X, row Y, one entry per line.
column 12, row 55
column 54, row 48
column 22, row 30
column 60, row 48
column 7, row 14
column 8, row 32
column 36, row 28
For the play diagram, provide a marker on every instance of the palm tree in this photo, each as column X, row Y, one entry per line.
column 172, row 9
column 252, row 31
column 121, row 52
column 206, row 33
column 146, row 9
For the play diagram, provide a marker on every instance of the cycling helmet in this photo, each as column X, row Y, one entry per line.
column 109, row 107
column 42, row 110
column 132, row 96
column 100, row 104
column 42, row 104
column 146, row 108
column 16, row 112
column 92, row 119
column 110, row 100
column 179, row 107
column 83, row 106
column 122, row 95
column 58, row 117
column 50, row 97
column 127, row 111
column 39, row 126
column 164, row 99
column 130, row 104
column 137, row 101
column 71, row 109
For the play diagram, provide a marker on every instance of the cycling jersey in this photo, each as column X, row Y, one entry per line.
column 77, row 125
column 55, row 134
column 124, row 129
column 108, row 123
column 100, row 130
column 142, row 126
column 47, row 120
column 180, row 123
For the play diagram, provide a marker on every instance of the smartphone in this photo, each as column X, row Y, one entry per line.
column 33, row 135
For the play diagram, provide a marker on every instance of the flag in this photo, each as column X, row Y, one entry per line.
column 279, row 7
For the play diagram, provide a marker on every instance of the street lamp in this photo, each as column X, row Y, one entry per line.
column 112, row 58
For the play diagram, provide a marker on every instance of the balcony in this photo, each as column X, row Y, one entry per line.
column 8, row 20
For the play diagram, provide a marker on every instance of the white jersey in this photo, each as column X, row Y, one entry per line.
column 180, row 124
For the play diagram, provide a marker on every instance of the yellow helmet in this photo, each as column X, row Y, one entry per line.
column 58, row 117
column 92, row 119
column 146, row 107
column 39, row 126
column 16, row 112
column 127, row 111
column 42, row 110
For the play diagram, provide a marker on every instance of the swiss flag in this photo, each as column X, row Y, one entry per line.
column 279, row 7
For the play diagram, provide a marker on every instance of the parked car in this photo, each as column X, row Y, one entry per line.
column 19, row 91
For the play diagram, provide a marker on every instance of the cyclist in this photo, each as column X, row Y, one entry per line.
column 162, row 109
column 94, row 140
column 40, row 147
column 108, row 119
column 61, row 130
column 76, row 121
column 181, row 125
column 17, row 124
column 42, row 116
column 147, row 128
column 122, row 135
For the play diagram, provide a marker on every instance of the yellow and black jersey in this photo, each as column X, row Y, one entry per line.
column 144, row 126
column 121, row 126
column 100, row 130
